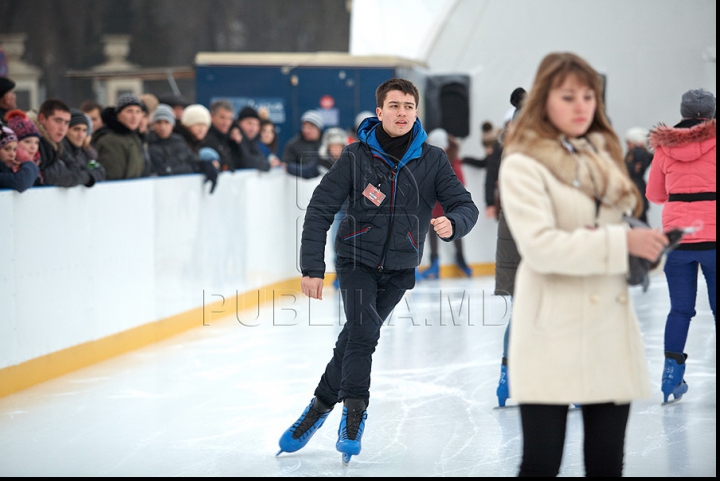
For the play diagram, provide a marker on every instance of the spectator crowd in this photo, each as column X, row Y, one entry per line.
column 143, row 136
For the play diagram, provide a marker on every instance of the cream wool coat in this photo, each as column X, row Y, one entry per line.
column 574, row 335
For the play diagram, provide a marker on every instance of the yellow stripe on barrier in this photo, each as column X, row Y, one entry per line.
column 35, row 371
column 44, row 368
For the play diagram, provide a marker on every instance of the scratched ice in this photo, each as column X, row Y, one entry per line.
column 215, row 400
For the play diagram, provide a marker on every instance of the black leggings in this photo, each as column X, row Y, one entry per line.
column 543, row 428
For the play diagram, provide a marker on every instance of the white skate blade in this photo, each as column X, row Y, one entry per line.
column 672, row 401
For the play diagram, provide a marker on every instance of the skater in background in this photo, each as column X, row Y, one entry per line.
column 683, row 180
column 637, row 160
column 507, row 257
column 488, row 136
column 440, row 138
column 575, row 337
column 391, row 179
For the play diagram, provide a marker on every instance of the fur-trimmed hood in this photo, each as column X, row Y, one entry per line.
column 590, row 168
column 685, row 144
column 57, row 147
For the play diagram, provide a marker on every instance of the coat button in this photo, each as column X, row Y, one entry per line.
column 622, row 299
column 594, row 298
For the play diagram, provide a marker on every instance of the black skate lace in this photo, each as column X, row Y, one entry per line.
column 304, row 425
column 352, row 425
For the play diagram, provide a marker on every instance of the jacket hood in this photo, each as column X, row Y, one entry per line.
column 685, row 145
column 57, row 147
column 111, row 122
column 366, row 135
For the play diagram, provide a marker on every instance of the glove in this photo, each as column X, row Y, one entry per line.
column 211, row 174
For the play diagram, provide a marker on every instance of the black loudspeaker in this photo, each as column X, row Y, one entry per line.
column 447, row 104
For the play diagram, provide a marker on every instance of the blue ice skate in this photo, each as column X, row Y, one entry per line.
column 503, row 389
column 351, row 429
column 298, row 435
column 672, row 380
column 460, row 261
column 432, row 272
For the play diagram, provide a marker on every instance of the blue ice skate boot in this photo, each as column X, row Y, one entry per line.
column 351, row 429
column 432, row 272
column 460, row 261
column 672, row 379
column 298, row 435
column 503, row 389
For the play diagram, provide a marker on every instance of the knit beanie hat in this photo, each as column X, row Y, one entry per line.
column 6, row 85
column 438, row 138
column 335, row 135
column 164, row 112
column 697, row 104
column 637, row 135
column 21, row 124
column 248, row 112
column 314, row 117
column 7, row 136
column 362, row 116
column 89, row 124
column 126, row 100
column 195, row 114
column 78, row 117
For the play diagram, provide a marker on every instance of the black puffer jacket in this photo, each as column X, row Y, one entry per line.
column 83, row 157
column 58, row 168
column 171, row 156
column 301, row 157
column 250, row 156
column 222, row 145
column 392, row 235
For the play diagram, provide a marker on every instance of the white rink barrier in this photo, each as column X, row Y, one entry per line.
column 83, row 264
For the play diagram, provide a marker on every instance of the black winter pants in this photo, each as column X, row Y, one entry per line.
column 543, row 428
column 369, row 296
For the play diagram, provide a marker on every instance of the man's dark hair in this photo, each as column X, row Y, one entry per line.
column 90, row 105
column 221, row 104
column 404, row 86
column 51, row 105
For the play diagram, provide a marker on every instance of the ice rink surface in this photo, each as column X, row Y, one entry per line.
column 215, row 400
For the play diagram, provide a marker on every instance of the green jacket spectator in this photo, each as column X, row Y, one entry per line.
column 118, row 144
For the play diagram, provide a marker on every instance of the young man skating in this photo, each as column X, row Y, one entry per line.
column 391, row 179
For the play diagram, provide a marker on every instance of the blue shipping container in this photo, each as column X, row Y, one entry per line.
column 338, row 85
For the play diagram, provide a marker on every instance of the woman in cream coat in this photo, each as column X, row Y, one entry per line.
column 575, row 336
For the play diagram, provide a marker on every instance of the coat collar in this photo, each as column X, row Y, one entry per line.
column 583, row 163
column 366, row 134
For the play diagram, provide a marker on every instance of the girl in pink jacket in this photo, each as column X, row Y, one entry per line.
column 682, row 178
